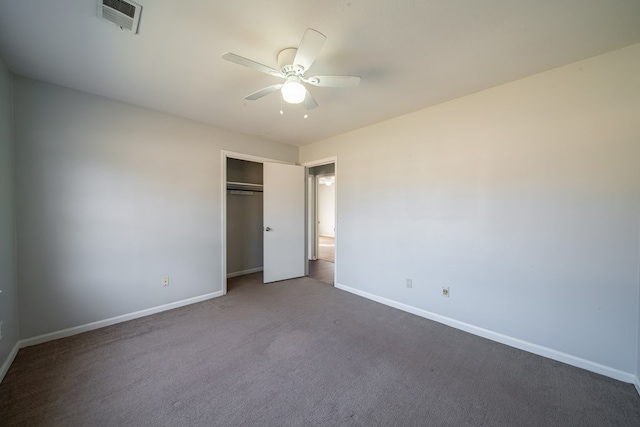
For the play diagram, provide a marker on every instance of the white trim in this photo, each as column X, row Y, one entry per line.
column 251, row 158
column 311, row 221
column 244, row 272
column 114, row 320
column 636, row 383
column 7, row 363
column 503, row 339
column 223, row 220
column 321, row 162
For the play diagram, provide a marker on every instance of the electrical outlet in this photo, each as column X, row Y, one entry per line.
column 445, row 291
column 165, row 281
column 409, row 283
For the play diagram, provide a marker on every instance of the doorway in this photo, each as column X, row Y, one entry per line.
column 244, row 195
column 321, row 220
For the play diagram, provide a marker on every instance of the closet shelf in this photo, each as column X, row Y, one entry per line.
column 244, row 186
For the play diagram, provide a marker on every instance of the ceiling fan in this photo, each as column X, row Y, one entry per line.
column 293, row 64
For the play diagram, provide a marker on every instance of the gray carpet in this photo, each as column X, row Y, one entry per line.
column 299, row 353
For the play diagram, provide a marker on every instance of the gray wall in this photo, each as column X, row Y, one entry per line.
column 524, row 199
column 244, row 233
column 110, row 198
column 8, row 283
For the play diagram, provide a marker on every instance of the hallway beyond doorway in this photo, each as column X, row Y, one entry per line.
column 326, row 248
column 321, row 270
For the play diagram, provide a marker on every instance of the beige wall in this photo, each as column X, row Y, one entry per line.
column 523, row 199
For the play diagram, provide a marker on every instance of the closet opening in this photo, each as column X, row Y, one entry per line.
column 263, row 220
column 244, row 213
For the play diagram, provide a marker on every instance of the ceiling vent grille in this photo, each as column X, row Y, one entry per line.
column 125, row 14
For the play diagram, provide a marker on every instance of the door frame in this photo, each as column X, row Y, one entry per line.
column 224, row 155
column 311, row 214
column 320, row 162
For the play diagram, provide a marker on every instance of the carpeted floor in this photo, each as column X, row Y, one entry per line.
column 299, row 353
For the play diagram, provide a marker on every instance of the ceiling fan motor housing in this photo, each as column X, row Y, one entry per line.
column 285, row 62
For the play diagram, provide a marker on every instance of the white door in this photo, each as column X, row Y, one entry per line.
column 284, row 251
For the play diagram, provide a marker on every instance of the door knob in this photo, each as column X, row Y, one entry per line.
column 268, row 229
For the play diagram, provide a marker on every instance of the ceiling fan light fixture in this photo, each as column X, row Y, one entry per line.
column 293, row 64
column 293, row 91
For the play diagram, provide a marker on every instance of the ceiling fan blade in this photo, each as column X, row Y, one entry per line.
column 334, row 81
column 309, row 101
column 309, row 47
column 232, row 57
column 263, row 92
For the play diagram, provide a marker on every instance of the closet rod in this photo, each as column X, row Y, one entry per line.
column 243, row 192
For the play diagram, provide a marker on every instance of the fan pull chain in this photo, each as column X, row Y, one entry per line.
column 306, row 115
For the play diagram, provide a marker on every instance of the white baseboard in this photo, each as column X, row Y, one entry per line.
column 503, row 339
column 7, row 363
column 113, row 320
column 637, row 384
column 243, row 272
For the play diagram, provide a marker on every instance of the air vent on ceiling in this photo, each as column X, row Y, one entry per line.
column 125, row 14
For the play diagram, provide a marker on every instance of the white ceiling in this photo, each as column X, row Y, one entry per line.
column 410, row 53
